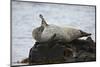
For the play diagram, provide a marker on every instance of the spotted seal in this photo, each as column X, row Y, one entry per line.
column 46, row 31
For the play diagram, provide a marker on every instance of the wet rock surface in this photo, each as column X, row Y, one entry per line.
column 62, row 52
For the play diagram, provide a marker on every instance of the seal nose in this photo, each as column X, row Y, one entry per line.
column 44, row 23
column 41, row 16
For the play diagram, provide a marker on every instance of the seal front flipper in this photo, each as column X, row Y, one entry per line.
column 52, row 38
column 51, row 41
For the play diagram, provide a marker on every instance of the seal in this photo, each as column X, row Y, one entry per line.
column 45, row 32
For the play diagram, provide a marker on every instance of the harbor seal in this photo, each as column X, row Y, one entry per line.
column 46, row 31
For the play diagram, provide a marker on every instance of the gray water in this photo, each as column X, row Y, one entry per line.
column 25, row 17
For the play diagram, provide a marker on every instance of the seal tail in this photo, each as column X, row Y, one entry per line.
column 83, row 34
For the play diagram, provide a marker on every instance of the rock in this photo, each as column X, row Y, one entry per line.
column 44, row 53
column 26, row 60
column 56, row 51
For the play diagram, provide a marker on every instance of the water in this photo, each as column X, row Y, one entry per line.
column 25, row 17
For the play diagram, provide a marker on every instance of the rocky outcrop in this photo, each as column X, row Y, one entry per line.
column 56, row 51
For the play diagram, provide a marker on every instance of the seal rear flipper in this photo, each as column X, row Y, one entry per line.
column 83, row 34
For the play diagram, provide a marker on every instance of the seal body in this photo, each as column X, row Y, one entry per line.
column 43, row 34
column 48, row 31
column 65, row 34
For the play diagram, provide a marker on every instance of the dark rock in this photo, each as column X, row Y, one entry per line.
column 56, row 51
column 26, row 60
column 44, row 53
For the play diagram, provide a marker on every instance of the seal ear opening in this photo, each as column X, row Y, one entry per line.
column 43, row 23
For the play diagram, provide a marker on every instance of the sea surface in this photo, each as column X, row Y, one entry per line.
column 25, row 17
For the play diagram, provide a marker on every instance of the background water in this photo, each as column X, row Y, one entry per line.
column 25, row 17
